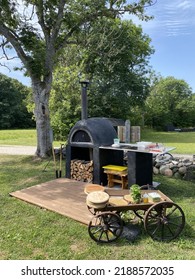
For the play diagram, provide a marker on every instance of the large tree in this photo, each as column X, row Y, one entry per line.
column 39, row 29
column 116, row 70
column 119, row 71
column 171, row 101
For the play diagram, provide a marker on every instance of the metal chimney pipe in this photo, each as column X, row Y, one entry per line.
column 84, row 86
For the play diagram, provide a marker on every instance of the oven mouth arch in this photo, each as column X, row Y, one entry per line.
column 81, row 136
column 92, row 131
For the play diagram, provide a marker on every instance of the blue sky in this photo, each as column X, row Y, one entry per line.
column 173, row 37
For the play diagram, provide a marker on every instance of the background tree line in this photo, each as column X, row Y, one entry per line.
column 169, row 101
column 13, row 104
column 112, row 53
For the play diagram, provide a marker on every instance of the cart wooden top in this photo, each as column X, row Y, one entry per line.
column 117, row 201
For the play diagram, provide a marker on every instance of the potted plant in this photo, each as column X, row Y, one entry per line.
column 135, row 193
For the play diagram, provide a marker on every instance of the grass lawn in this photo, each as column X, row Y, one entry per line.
column 29, row 232
column 183, row 141
column 23, row 137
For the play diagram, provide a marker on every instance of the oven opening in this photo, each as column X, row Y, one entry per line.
column 82, row 153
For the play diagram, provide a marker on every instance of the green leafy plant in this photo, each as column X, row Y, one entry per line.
column 135, row 193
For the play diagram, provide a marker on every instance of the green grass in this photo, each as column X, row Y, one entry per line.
column 23, row 137
column 184, row 142
column 30, row 232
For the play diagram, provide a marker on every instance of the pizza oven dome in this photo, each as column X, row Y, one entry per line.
column 93, row 131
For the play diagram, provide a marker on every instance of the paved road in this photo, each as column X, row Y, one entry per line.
column 30, row 150
column 17, row 150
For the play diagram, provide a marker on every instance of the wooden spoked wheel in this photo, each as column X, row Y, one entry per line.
column 140, row 214
column 105, row 227
column 92, row 210
column 164, row 221
column 163, row 157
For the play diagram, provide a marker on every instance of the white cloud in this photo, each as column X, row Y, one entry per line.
column 171, row 17
column 184, row 4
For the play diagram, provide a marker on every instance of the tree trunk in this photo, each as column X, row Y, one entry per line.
column 41, row 92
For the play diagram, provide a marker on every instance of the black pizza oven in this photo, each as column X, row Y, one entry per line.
column 90, row 141
column 84, row 142
column 89, row 149
column 92, row 132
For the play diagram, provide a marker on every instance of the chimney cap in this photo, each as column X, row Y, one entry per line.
column 84, row 83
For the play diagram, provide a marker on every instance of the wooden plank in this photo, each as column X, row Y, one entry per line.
column 67, row 197
column 64, row 196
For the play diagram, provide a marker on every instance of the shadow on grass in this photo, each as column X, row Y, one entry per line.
column 185, row 238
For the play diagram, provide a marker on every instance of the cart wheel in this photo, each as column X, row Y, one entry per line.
column 140, row 213
column 92, row 210
column 164, row 157
column 105, row 227
column 164, row 221
column 147, row 187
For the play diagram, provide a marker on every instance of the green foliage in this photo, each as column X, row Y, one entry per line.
column 170, row 102
column 116, row 55
column 135, row 193
column 113, row 54
column 136, row 115
column 13, row 111
column 65, row 99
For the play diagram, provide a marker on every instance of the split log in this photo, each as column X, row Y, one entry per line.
column 82, row 170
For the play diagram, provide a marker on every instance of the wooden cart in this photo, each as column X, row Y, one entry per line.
column 163, row 220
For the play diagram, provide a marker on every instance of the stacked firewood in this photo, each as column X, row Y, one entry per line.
column 82, row 170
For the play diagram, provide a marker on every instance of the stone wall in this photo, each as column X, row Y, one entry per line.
column 174, row 166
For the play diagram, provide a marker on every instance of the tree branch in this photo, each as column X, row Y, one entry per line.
column 111, row 11
column 59, row 19
column 5, row 56
column 39, row 12
column 12, row 38
column 4, row 52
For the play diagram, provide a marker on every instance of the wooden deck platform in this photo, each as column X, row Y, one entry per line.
column 64, row 196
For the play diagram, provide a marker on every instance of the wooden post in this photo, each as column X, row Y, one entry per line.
column 127, row 131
